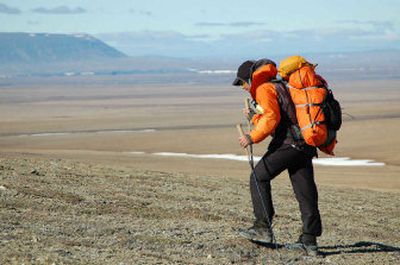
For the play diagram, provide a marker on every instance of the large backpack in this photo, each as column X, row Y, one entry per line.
column 318, row 113
column 312, row 111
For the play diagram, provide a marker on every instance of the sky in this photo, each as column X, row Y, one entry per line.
column 214, row 28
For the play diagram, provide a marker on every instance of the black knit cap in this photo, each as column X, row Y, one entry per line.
column 243, row 73
column 259, row 63
column 247, row 68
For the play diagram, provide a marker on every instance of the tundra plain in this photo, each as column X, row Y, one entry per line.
column 79, row 182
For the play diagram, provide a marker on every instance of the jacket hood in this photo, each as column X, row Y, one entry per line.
column 261, row 75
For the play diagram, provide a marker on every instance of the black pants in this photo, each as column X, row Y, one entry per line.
column 299, row 165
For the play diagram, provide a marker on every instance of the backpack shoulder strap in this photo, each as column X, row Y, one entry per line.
column 288, row 108
column 285, row 100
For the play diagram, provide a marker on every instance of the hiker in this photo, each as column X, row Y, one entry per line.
column 285, row 152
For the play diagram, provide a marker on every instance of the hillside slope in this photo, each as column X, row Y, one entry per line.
column 74, row 213
column 42, row 47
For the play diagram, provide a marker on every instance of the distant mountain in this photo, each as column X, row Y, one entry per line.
column 84, row 58
column 42, row 47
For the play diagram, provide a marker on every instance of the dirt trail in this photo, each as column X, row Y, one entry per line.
column 66, row 212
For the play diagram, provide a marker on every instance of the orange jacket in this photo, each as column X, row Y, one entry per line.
column 264, row 93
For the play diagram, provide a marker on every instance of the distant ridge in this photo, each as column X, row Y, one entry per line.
column 46, row 47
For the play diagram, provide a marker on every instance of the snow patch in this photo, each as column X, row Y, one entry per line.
column 87, row 73
column 213, row 71
column 216, row 72
column 136, row 153
column 44, row 134
column 345, row 161
column 100, row 131
column 127, row 131
column 80, row 35
column 209, row 156
column 336, row 161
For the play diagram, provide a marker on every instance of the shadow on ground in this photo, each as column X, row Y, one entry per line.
column 359, row 247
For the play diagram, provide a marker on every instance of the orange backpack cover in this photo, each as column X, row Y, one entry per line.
column 308, row 91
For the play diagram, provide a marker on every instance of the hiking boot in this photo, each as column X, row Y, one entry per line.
column 307, row 243
column 257, row 234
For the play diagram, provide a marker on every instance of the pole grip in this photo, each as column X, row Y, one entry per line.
column 241, row 133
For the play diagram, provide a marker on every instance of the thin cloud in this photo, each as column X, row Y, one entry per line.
column 141, row 12
column 59, row 10
column 258, row 42
column 246, row 24
column 209, row 24
column 32, row 22
column 373, row 23
column 199, row 36
column 240, row 24
column 9, row 10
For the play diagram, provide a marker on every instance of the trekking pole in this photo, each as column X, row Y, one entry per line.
column 253, row 173
column 247, row 106
column 240, row 130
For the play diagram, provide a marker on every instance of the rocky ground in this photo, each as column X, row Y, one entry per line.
column 66, row 212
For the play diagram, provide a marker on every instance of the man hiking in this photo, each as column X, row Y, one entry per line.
column 285, row 152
